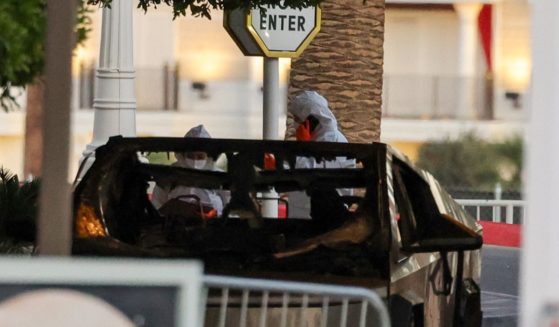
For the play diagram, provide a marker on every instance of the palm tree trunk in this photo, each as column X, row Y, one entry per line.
column 344, row 64
column 33, row 152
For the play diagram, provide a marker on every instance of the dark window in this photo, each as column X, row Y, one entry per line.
column 415, row 203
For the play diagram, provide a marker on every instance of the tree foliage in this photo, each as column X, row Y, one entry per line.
column 511, row 154
column 22, row 25
column 203, row 8
column 22, row 50
column 471, row 162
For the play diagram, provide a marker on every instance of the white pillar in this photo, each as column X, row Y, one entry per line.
column 114, row 101
column 54, row 232
column 270, row 122
column 540, row 266
column 468, row 45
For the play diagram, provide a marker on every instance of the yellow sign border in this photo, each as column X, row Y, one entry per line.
column 288, row 54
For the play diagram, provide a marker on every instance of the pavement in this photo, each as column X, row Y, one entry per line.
column 500, row 285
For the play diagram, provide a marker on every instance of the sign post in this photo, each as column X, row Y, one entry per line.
column 270, row 122
column 277, row 31
column 271, row 98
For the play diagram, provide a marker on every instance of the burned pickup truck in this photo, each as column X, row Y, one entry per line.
column 396, row 232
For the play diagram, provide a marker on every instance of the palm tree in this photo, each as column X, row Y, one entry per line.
column 18, row 212
column 344, row 64
column 33, row 151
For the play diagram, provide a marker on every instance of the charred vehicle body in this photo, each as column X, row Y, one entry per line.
column 398, row 233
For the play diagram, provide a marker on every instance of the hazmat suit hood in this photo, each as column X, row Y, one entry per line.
column 197, row 132
column 208, row 198
column 309, row 103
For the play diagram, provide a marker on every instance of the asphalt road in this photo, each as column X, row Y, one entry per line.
column 499, row 286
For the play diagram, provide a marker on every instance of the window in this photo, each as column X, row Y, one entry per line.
column 416, row 206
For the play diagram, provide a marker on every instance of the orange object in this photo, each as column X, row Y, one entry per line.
column 269, row 161
column 304, row 131
column 210, row 214
column 282, row 211
column 88, row 223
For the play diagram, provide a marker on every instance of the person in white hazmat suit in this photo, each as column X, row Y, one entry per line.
column 195, row 160
column 315, row 123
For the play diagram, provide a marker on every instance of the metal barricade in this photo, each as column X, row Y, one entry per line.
column 499, row 211
column 245, row 302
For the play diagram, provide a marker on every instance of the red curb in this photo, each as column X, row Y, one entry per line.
column 501, row 234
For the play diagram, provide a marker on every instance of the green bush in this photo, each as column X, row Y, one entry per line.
column 470, row 162
column 161, row 158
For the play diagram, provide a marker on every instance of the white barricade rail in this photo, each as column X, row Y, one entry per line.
column 245, row 302
column 500, row 211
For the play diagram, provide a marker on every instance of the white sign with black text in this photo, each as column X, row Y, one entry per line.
column 282, row 28
column 273, row 31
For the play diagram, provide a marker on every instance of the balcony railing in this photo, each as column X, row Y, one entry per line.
column 404, row 96
column 437, row 97
column 156, row 88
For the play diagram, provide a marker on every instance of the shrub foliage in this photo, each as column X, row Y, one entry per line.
column 470, row 162
column 18, row 210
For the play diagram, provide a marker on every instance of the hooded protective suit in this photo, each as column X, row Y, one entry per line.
column 310, row 103
column 208, row 198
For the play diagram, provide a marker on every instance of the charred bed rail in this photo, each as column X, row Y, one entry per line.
column 253, row 148
column 232, row 301
column 499, row 211
column 283, row 180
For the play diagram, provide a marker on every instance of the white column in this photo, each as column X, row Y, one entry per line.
column 540, row 266
column 114, row 101
column 54, row 232
column 468, row 44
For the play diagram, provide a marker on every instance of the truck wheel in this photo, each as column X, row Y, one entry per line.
column 470, row 314
column 404, row 314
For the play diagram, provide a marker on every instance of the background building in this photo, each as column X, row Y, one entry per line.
column 455, row 66
column 442, row 77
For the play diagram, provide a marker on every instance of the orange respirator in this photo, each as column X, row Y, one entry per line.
column 304, row 131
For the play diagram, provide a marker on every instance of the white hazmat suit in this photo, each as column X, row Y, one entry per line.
column 208, row 198
column 310, row 103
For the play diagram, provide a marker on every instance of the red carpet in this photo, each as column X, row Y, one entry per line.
column 501, row 234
